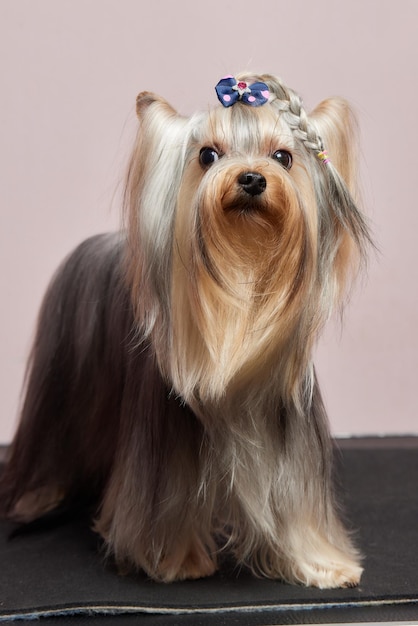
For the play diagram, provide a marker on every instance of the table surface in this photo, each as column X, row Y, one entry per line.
column 56, row 571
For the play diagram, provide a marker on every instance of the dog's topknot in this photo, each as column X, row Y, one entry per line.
column 291, row 106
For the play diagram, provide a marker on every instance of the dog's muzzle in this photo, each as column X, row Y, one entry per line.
column 252, row 183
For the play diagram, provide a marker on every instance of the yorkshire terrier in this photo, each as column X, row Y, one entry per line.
column 171, row 378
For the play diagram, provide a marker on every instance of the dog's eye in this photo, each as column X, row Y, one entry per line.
column 284, row 158
column 208, row 156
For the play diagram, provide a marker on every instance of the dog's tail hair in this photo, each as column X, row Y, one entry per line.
column 69, row 417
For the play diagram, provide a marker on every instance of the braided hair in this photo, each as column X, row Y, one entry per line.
column 330, row 185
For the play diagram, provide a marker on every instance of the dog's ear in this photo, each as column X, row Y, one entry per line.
column 337, row 126
column 150, row 199
column 146, row 98
column 159, row 122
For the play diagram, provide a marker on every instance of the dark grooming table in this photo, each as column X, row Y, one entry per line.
column 55, row 571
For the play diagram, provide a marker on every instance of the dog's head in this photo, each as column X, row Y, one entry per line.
column 243, row 231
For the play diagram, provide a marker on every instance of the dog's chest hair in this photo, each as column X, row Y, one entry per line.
column 243, row 469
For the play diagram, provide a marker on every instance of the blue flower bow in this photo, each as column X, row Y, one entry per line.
column 230, row 91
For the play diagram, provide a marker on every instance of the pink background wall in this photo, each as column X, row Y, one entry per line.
column 70, row 71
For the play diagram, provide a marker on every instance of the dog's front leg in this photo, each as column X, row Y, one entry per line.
column 318, row 549
column 158, row 528
column 157, row 512
column 285, row 523
column 321, row 557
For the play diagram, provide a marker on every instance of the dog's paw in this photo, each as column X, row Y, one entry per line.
column 330, row 575
column 326, row 560
column 195, row 563
column 35, row 503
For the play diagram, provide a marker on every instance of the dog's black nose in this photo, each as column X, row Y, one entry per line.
column 252, row 182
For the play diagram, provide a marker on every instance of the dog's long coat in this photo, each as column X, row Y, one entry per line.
column 171, row 379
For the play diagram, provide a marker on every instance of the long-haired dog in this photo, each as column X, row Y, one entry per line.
column 171, row 378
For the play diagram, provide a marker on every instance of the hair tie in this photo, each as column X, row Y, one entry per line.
column 323, row 156
column 230, row 91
